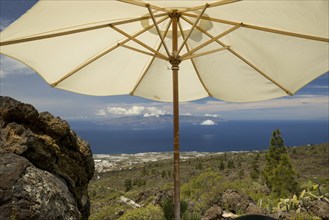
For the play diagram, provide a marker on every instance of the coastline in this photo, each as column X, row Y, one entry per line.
column 117, row 162
column 121, row 161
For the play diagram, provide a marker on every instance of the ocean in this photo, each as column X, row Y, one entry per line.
column 222, row 137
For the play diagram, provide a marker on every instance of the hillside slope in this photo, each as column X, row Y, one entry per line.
column 211, row 186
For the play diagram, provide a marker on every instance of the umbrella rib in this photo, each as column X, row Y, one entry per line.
column 63, row 33
column 258, row 70
column 99, row 55
column 146, row 17
column 259, row 28
column 244, row 60
column 210, row 41
column 139, row 42
column 192, row 28
column 142, row 51
column 204, row 53
column 193, row 62
column 151, row 61
column 158, row 30
column 287, row 33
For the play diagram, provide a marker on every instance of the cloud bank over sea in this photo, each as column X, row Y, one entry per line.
column 207, row 122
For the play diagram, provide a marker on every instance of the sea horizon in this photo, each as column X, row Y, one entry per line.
column 222, row 137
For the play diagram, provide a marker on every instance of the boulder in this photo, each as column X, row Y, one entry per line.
column 161, row 196
column 254, row 209
column 41, row 156
column 234, row 201
column 129, row 202
column 319, row 208
column 32, row 193
column 229, row 215
column 213, row 213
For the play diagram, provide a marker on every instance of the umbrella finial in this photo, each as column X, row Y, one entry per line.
column 175, row 14
column 175, row 60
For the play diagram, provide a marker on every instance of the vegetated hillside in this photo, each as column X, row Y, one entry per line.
column 230, row 183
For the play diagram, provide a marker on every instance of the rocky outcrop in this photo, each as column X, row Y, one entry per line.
column 319, row 208
column 32, row 193
column 161, row 196
column 213, row 213
column 45, row 167
column 230, row 204
column 129, row 202
column 235, row 201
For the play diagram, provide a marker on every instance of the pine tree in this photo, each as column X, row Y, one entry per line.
column 254, row 174
column 163, row 174
column 230, row 164
column 273, row 156
column 128, row 184
column 279, row 174
column 222, row 165
column 284, row 178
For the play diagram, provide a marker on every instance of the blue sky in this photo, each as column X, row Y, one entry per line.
column 21, row 83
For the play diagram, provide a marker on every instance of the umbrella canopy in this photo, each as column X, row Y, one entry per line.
column 238, row 51
column 233, row 50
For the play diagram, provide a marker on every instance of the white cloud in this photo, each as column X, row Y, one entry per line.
column 215, row 106
column 153, row 111
column 116, row 111
column 299, row 107
column 134, row 110
column 10, row 66
column 318, row 86
column 208, row 122
column 147, row 115
column 2, row 73
column 101, row 112
column 186, row 114
column 211, row 115
column 4, row 22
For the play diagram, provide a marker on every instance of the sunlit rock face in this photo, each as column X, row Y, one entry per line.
column 45, row 167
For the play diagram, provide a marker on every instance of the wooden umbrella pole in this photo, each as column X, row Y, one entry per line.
column 175, row 61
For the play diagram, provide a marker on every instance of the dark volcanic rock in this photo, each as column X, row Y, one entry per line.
column 230, row 203
column 213, row 213
column 254, row 209
column 234, row 201
column 319, row 208
column 161, row 196
column 45, row 167
column 32, row 193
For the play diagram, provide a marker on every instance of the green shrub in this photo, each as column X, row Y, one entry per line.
column 202, row 190
column 149, row 212
column 163, row 174
column 199, row 166
column 241, row 173
column 230, row 164
column 222, row 165
column 139, row 182
column 191, row 216
column 168, row 208
column 128, row 184
column 107, row 212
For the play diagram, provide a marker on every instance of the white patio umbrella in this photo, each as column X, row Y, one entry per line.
column 237, row 51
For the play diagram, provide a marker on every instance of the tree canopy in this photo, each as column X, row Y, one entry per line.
column 279, row 173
